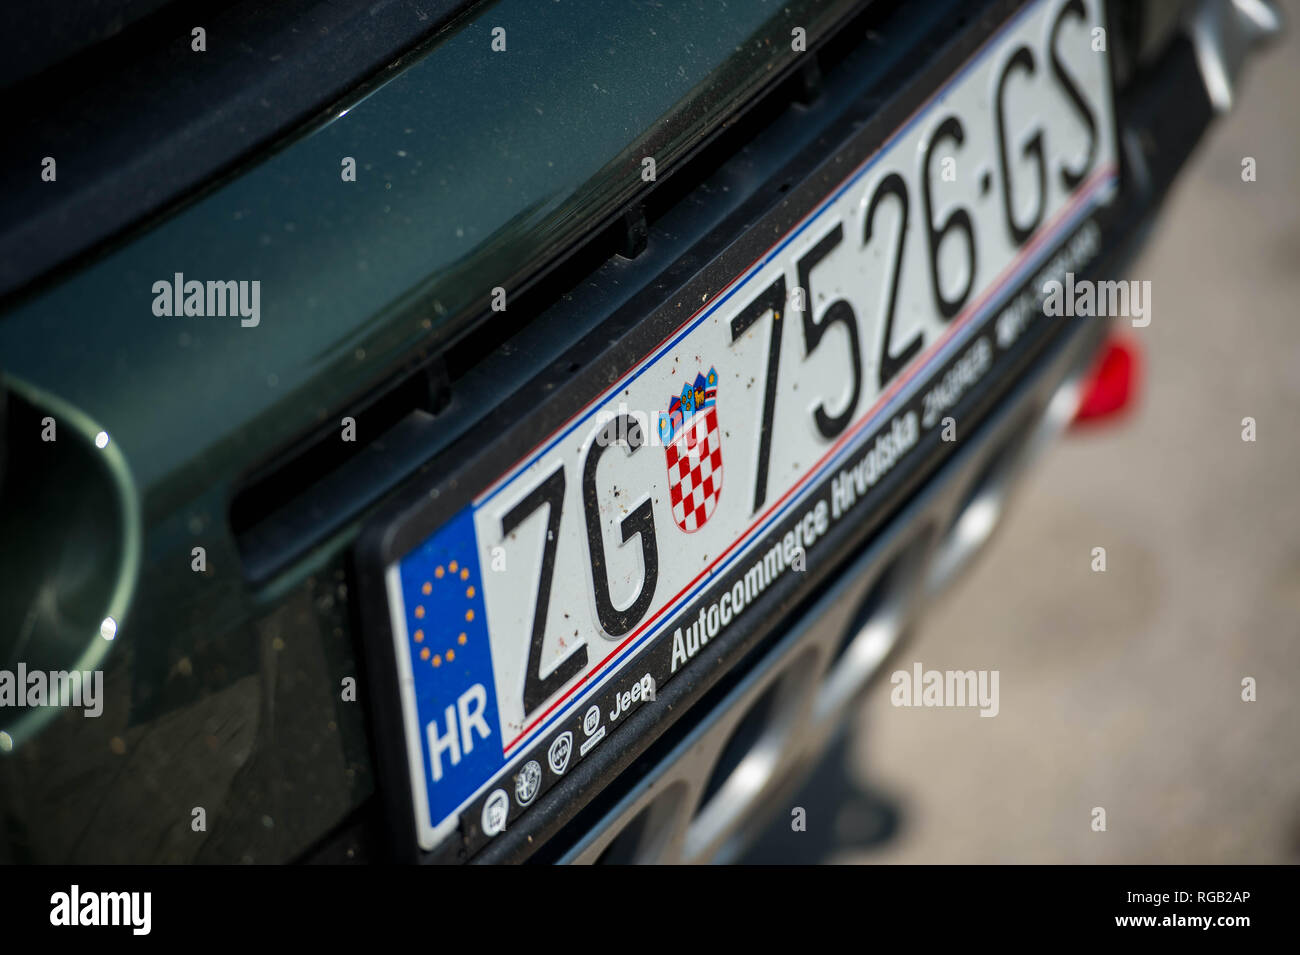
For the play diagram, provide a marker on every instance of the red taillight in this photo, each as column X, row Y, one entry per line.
column 1112, row 385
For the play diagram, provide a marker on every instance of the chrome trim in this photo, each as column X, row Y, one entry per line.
column 28, row 725
column 1223, row 32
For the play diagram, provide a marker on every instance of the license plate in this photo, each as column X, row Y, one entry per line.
column 704, row 474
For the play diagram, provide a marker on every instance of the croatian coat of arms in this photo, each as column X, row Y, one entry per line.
column 693, row 450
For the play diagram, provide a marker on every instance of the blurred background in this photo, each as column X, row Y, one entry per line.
column 1123, row 689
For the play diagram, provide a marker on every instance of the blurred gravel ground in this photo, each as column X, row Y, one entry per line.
column 1123, row 689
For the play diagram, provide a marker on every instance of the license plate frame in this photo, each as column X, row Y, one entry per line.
column 401, row 527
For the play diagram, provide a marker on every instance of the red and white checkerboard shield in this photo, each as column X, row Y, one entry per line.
column 695, row 470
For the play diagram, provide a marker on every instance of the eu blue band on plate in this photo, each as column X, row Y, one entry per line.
column 451, row 664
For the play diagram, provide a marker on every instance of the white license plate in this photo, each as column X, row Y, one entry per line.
column 527, row 606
